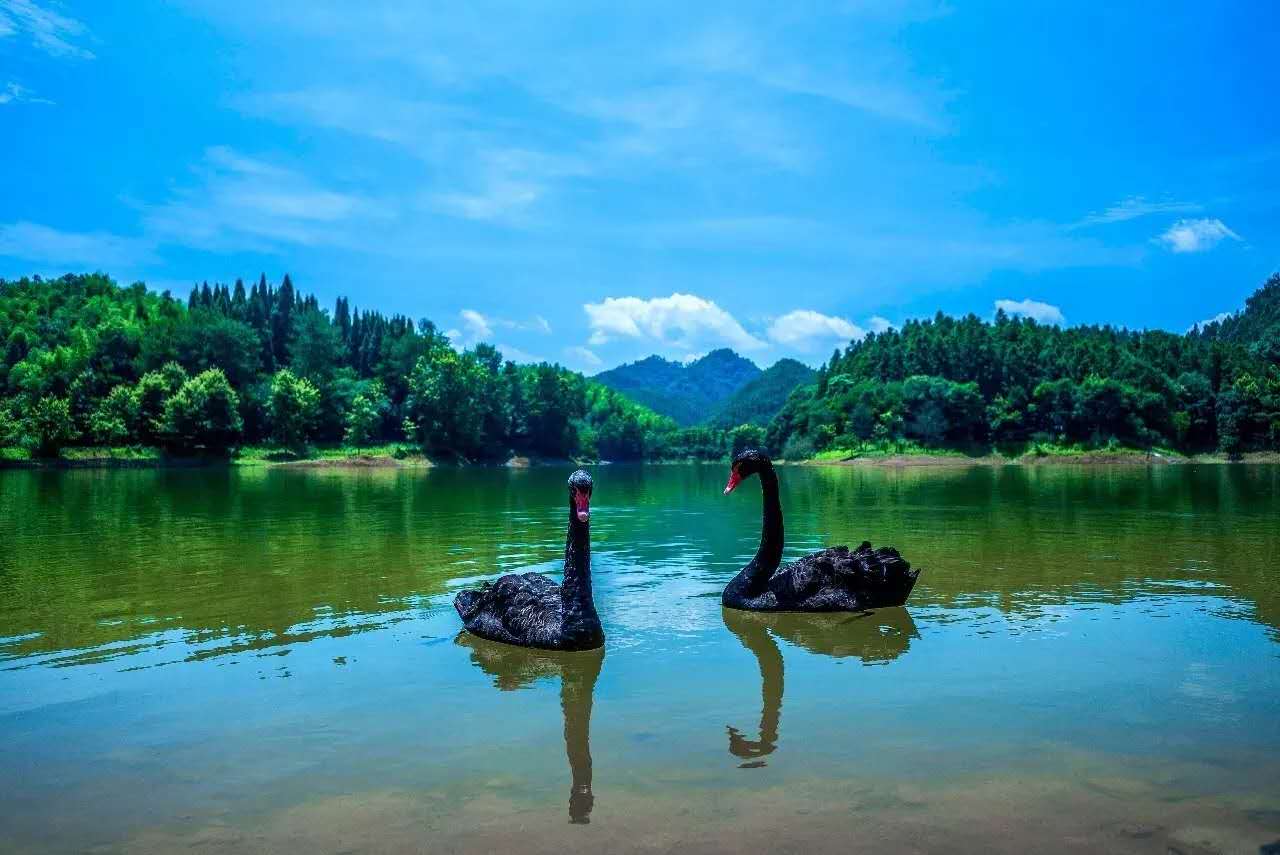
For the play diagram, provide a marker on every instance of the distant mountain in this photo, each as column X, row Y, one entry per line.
column 761, row 399
column 686, row 393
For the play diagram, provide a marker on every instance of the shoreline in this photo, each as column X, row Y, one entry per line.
column 1086, row 458
column 387, row 461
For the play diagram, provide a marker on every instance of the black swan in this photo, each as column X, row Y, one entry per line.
column 872, row 637
column 516, row 667
column 836, row 579
column 528, row 609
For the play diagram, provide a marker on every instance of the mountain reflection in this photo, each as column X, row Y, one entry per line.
column 517, row 667
column 871, row 637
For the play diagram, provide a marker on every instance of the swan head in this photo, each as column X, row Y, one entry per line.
column 580, row 486
column 748, row 462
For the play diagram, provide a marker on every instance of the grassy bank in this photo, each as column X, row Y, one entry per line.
column 395, row 455
column 912, row 454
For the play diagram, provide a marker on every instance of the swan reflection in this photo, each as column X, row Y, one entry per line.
column 873, row 637
column 517, row 667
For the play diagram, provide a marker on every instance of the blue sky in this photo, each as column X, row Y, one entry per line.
column 589, row 185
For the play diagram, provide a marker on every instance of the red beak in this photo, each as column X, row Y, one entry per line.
column 582, row 503
column 734, row 480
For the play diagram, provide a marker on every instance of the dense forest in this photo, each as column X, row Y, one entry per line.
column 969, row 383
column 87, row 362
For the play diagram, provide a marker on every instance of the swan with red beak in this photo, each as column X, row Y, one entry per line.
column 530, row 610
column 838, row 579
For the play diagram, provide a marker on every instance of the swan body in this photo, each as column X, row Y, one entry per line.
column 530, row 610
column 836, row 579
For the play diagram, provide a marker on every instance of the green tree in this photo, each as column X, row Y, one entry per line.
column 49, row 426
column 444, row 402
column 115, row 421
column 364, row 418
column 153, row 389
column 295, row 403
column 745, row 436
column 203, row 415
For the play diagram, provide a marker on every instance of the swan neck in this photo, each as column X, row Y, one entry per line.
column 769, row 555
column 576, row 589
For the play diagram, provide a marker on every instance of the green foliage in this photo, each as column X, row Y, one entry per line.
column 745, row 436
column 364, row 417
column 115, row 421
column 101, row 363
column 203, row 415
column 294, row 406
column 964, row 383
column 49, row 427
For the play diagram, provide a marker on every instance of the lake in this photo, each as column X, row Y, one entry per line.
column 268, row 659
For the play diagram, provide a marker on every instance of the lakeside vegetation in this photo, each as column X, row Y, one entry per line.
column 948, row 383
column 87, row 363
column 91, row 371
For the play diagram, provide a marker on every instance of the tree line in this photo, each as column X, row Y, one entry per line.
column 970, row 383
column 88, row 362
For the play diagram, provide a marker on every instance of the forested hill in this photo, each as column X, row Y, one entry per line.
column 972, row 383
column 686, row 393
column 760, row 399
column 86, row 362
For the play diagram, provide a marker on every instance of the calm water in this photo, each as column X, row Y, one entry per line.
column 250, row 660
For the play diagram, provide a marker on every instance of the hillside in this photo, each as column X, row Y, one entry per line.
column 761, row 399
column 85, row 362
column 967, row 382
column 685, row 393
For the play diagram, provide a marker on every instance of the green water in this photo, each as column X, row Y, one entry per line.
column 267, row 660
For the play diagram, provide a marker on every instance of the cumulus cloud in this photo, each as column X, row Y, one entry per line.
column 1196, row 235
column 878, row 324
column 685, row 321
column 1041, row 312
column 806, row 330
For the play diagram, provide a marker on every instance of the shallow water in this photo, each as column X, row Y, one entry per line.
column 250, row 660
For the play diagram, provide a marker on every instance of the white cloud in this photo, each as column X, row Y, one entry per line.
column 1041, row 312
column 15, row 93
column 1216, row 319
column 584, row 356
column 515, row 354
column 806, row 330
column 878, row 324
column 85, row 250
column 1196, row 235
column 1134, row 207
column 477, row 326
column 244, row 203
column 685, row 321
column 48, row 30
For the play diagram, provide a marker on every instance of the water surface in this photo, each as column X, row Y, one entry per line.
column 267, row 659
